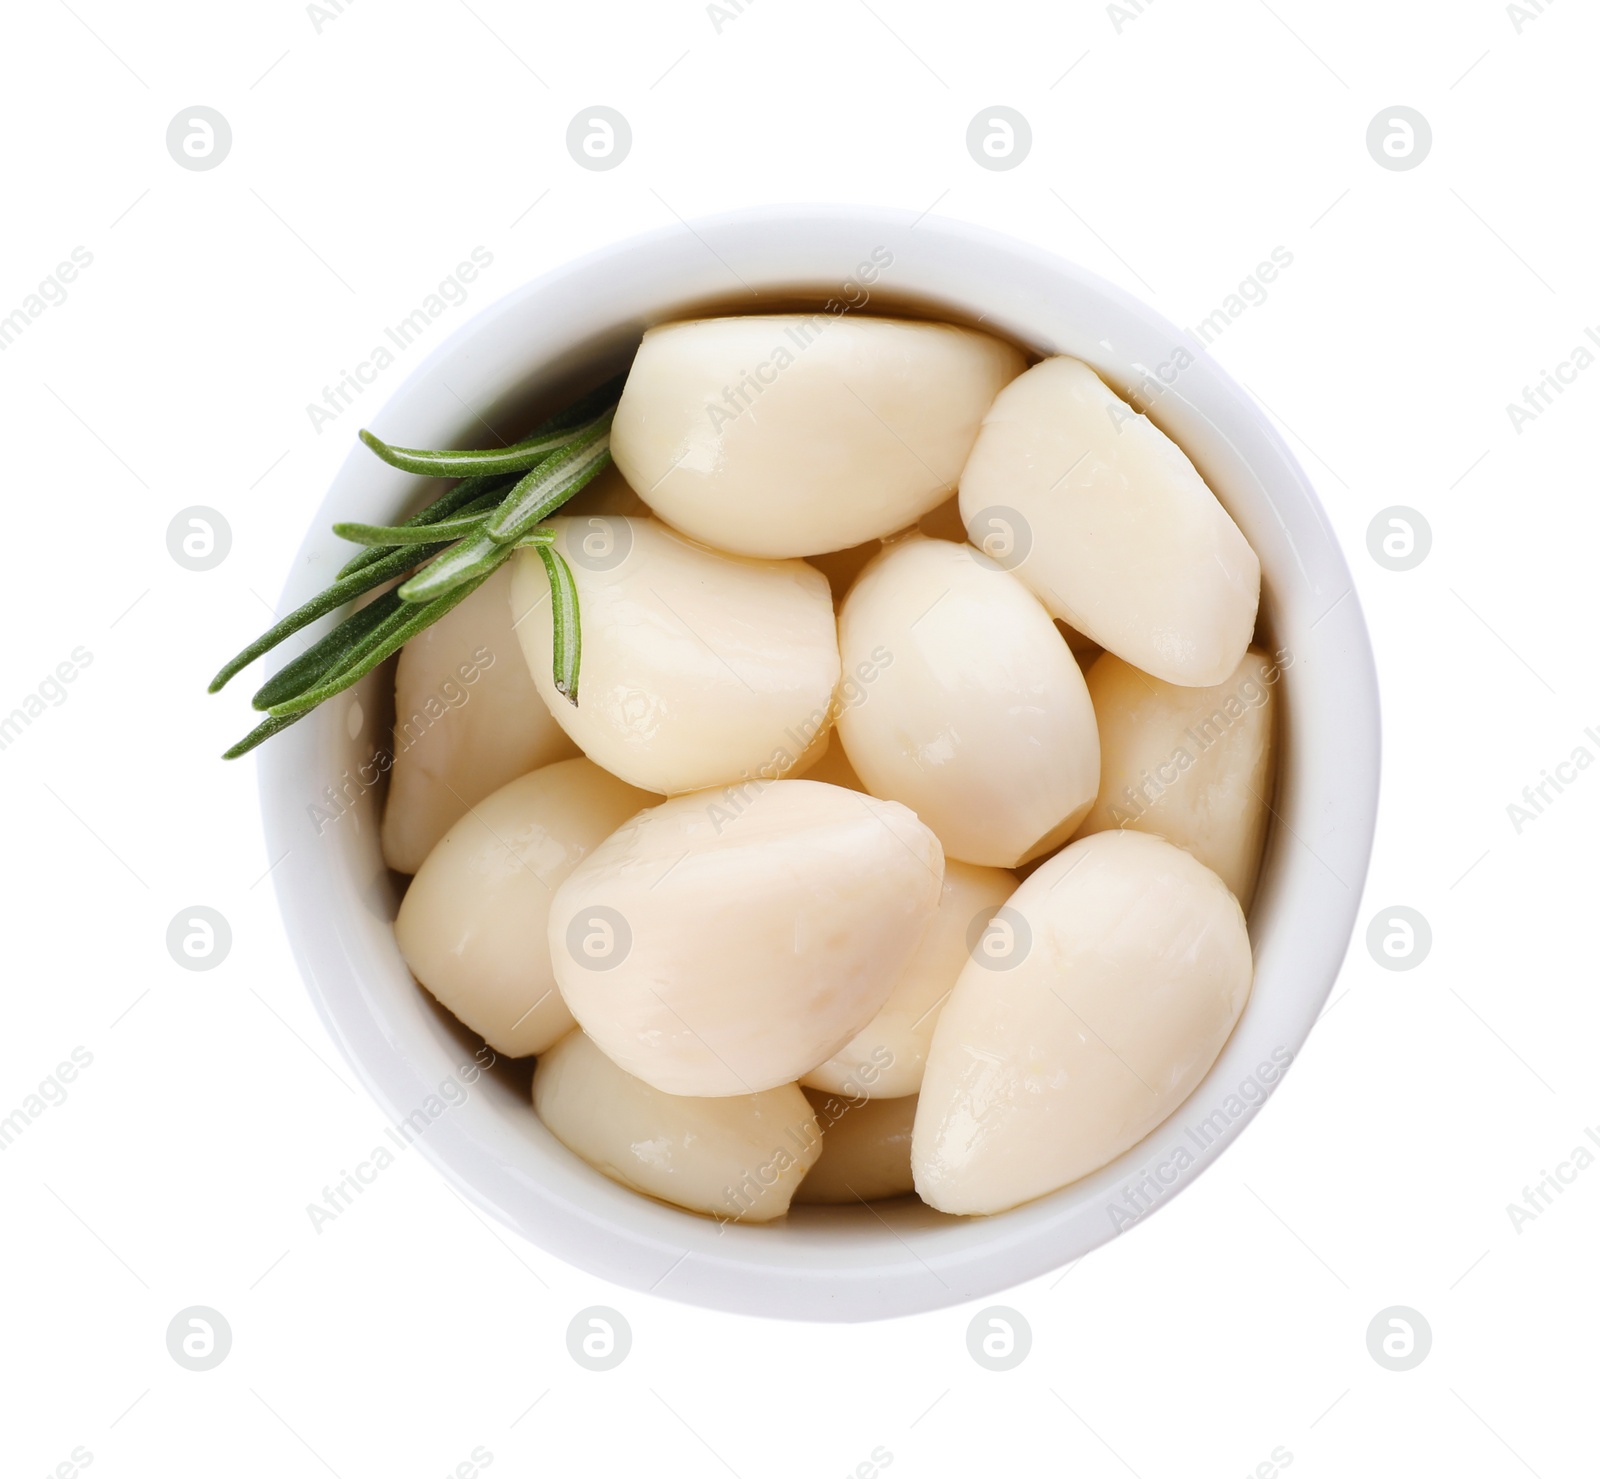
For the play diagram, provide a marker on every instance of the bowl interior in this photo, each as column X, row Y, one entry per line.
column 322, row 788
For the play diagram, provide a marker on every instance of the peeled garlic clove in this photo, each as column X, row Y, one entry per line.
column 728, row 941
column 738, row 1158
column 967, row 706
column 1105, row 519
column 698, row 669
column 795, row 434
column 472, row 926
column 467, row 720
column 1121, row 967
column 1192, row 765
column 866, row 1149
column 885, row 1059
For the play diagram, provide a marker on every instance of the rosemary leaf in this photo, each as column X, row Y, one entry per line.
column 568, row 636
column 514, row 458
column 317, row 661
column 449, row 549
column 387, row 535
column 469, row 495
column 263, row 731
column 553, row 433
column 380, row 643
column 553, row 482
column 478, row 556
column 395, row 562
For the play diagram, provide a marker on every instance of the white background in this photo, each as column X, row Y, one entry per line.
column 1172, row 152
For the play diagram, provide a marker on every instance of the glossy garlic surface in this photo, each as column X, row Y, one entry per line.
column 739, row 1158
column 971, row 709
column 1105, row 519
column 1128, row 967
column 796, row 434
column 728, row 941
column 699, row 668
column 472, row 926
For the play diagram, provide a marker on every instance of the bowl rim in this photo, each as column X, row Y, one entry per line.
column 823, row 1264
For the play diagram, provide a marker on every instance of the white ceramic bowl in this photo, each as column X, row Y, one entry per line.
column 825, row 1263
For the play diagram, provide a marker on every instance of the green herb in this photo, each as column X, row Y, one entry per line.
column 464, row 496
column 555, row 433
column 564, row 621
column 447, row 551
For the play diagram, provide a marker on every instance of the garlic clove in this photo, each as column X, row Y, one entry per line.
column 738, row 1158
column 1102, row 516
column 796, row 434
column 473, row 924
column 960, row 699
column 1121, row 967
column 698, row 668
column 728, row 941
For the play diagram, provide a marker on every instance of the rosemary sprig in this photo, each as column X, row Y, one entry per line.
column 553, row 482
column 384, row 640
column 466, row 495
column 322, row 657
column 262, row 732
column 551, row 435
column 447, row 550
column 346, row 588
column 472, row 558
column 387, row 536
column 568, row 638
